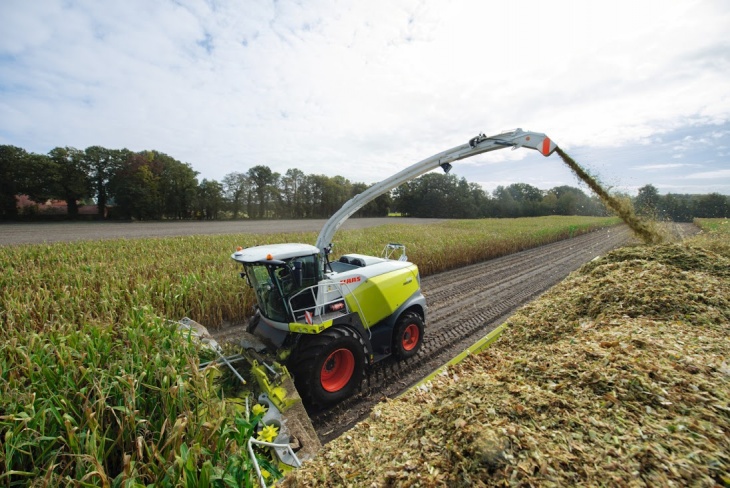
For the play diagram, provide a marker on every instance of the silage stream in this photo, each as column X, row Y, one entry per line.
column 644, row 230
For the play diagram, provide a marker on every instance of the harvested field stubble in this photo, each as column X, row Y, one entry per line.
column 617, row 376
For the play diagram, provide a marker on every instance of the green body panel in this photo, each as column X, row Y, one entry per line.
column 475, row 348
column 380, row 296
column 309, row 328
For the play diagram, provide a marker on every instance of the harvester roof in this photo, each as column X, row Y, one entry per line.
column 278, row 252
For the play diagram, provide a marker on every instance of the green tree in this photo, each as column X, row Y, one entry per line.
column 461, row 202
column 135, row 188
column 336, row 192
column 210, row 199
column 429, row 196
column 404, row 200
column 264, row 185
column 70, row 177
column 567, row 200
column 314, row 191
column 102, row 164
column 178, row 186
column 647, row 201
column 236, row 188
column 12, row 162
column 379, row 207
column 437, row 195
column 291, row 192
column 36, row 178
column 483, row 202
column 675, row 207
column 527, row 198
column 505, row 204
column 712, row 206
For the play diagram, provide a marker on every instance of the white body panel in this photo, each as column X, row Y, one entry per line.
column 278, row 252
column 353, row 278
column 336, row 284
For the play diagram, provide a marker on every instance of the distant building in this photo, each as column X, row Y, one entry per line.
column 26, row 206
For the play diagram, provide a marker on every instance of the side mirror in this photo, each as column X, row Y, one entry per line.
column 297, row 273
column 244, row 275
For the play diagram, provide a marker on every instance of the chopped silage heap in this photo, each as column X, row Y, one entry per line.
column 618, row 376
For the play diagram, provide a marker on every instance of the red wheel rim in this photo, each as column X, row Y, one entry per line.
column 410, row 337
column 337, row 370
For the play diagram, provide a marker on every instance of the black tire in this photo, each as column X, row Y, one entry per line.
column 407, row 335
column 328, row 367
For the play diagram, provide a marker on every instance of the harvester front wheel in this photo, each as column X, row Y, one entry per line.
column 329, row 367
column 408, row 335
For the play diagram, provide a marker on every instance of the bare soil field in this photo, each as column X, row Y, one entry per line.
column 48, row 232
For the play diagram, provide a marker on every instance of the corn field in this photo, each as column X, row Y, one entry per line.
column 99, row 388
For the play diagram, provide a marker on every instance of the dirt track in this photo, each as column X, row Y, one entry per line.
column 48, row 232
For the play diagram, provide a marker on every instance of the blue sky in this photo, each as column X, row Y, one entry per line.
column 636, row 92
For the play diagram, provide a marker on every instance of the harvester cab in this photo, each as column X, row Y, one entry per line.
column 327, row 321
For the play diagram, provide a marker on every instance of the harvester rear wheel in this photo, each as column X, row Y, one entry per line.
column 328, row 367
column 408, row 335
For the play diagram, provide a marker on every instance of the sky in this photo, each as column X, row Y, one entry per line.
column 637, row 92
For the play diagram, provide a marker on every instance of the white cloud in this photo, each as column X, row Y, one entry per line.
column 363, row 88
column 709, row 175
column 654, row 167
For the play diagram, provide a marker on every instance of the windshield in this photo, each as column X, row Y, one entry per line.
column 268, row 294
column 275, row 284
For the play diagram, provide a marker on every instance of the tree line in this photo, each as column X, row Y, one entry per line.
column 680, row 207
column 446, row 196
column 150, row 185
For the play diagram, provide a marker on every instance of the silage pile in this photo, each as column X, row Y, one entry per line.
column 619, row 376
